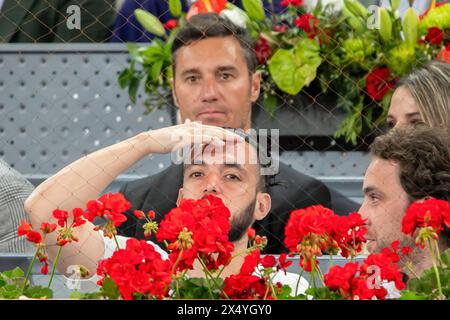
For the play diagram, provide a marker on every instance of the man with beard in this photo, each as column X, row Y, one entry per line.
column 409, row 164
column 232, row 174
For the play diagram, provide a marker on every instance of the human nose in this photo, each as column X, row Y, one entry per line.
column 364, row 213
column 212, row 185
column 209, row 90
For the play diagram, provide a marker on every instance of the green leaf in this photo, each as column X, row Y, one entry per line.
column 12, row 274
column 149, row 22
column 38, row 292
column 133, row 88
column 270, row 104
column 156, row 70
column 445, row 257
column 285, row 292
column 254, row 9
column 133, row 50
column 124, row 78
column 411, row 27
column 175, row 8
column 292, row 69
column 76, row 295
column 408, row 295
column 109, row 289
column 10, row 291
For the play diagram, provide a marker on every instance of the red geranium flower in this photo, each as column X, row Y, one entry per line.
column 137, row 269
column 34, row 236
column 198, row 228
column 283, row 263
column 138, row 214
column 349, row 233
column 61, row 215
column 434, row 36
column 47, row 227
column 303, row 222
column 406, row 250
column 308, row 23
column 378, row 83
column 111, row 205
column 23, row 228
column 339, row 278
column 44, row 269
column 268, row 261
column 245, row 287
column 432, row 213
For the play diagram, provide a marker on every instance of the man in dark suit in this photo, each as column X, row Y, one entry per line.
column 215, row 82
column 54, row 20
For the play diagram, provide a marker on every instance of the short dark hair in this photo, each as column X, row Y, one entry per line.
column 423, row 154
column 211, row 25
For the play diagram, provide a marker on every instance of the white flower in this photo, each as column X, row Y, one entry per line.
column 235, row 15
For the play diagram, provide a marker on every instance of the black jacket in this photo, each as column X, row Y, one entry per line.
column 159, row 193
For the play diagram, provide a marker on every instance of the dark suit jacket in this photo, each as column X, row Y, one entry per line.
column 45, row 21
column 160, row 192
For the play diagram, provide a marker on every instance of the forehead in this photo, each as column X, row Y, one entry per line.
column 241, row 154
column 383, row 175
column 402, row 102
column 210, row 53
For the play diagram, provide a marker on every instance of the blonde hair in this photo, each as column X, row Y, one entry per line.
column 430, row 88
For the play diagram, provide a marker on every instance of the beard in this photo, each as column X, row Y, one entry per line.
column 240, row 223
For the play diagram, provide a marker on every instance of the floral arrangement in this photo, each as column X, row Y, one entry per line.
column 196, row 233
column 351, row 53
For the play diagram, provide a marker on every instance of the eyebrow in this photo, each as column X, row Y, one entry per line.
column 197, row 70
column 370, row 189
column 412, row 114
column 226, row 165
column 409, row 115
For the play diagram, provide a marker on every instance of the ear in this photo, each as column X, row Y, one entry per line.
column 255, row 86
column 174, row 94
column 180, row 196
column 263, row 205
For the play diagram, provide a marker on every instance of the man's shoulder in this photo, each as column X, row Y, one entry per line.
column 300, row 178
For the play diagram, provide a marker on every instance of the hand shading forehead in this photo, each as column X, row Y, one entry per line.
column 224, row 153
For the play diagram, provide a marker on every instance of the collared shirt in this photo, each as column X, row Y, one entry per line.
column 14, row 190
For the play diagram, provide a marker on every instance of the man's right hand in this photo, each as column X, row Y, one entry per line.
column 172, row 138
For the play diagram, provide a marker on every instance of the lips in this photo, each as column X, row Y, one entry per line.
column 210, row 112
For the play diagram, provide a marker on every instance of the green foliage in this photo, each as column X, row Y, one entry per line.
column 12, row 286
column 109, row 289
column 293, row 69
column 338, row 56
column 197, row 288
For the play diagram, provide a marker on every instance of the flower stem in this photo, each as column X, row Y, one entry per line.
column 117, row 242
column 436, row 271
column 298, row 282
column 208, row 274
column 438, row 252
column 313, row 269
column 30, row 268
column 55, row 263
column 408, row 266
